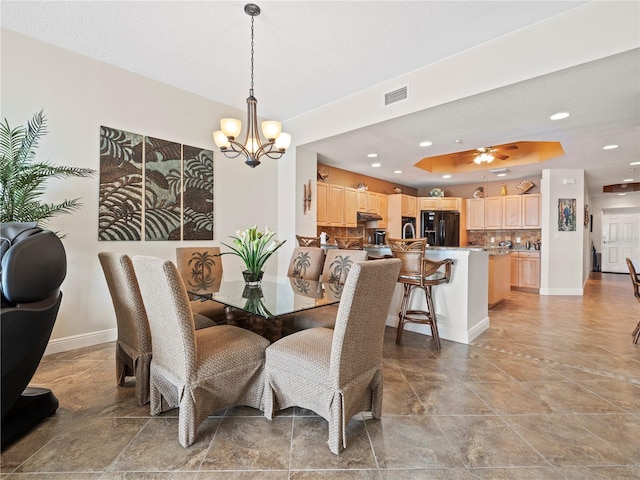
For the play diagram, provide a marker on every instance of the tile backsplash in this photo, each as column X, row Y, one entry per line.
column 483, row 237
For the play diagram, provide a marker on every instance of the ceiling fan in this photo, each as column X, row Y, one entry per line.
column 488, row 154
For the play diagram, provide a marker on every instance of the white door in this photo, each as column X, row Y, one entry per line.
column 620, row 240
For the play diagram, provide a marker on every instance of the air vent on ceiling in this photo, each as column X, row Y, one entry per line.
column 395, row 96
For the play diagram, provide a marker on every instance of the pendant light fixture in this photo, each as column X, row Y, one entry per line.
column 252, row 148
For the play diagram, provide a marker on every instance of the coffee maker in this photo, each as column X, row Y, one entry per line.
column 380, row 237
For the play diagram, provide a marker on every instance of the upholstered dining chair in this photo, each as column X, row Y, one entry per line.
column 200, row 371
column 308, row 241
column 306, row 263
column 418, row 272
column 133, row 346
column 350, row 243
column 337, row 264
column 635, row 281
column 201, row 271
column 337, row 373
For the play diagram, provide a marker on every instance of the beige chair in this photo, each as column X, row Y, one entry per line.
column 635, row 281
column 337, row 373
column 350, row 243
column 133, row 346
column 338, row 262
column 306, row 263
column 418, row 272
column 308, row 241
column 200, row 372
column 336, row 267
column 201, row 271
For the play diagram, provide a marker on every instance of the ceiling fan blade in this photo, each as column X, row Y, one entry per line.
column 509, row 147
column 501, row 157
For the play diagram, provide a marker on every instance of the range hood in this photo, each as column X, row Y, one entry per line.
column 368, row 216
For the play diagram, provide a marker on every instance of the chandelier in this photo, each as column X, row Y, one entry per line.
column 252, row 148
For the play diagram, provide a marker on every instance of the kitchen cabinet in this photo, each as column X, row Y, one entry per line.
column 350, row 210
column 475, row 213
column 383, row 206
column 336, row 206
column 367, row 201
column 440, row 203
column 322, row 204
column 525, row 271
column 408, row 206
column 500, row 277
column 521, row 211
column 398, row 206
column 493, row 213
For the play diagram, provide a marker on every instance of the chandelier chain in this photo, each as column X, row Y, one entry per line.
column 252, row 18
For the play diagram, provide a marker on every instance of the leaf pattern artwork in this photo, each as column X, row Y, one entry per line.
column 202, row 271
column 162, row 189
column 300, row 264
column 197, row 193
column 120, row 202
column 339, row 268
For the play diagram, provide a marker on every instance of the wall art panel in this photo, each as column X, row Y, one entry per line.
column 162, row 217
column 120, row 202
column 197, row 193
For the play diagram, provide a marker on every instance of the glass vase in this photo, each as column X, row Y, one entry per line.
column 252, row 279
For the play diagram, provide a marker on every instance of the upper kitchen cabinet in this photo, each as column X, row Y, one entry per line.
column 407, row 205
column 383, row 207
column 322, row 204
column 337, row 206
column 367, row 201
column 493, row 212
column 475, row 213
column 440, row 203
column 521, row 211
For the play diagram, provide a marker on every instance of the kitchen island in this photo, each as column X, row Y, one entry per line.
column 462, row 304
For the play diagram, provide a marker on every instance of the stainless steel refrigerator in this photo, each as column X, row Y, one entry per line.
column 441, row 229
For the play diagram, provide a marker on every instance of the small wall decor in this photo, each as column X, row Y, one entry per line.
column 306, row 198
column 586, row 215
column 566, row 214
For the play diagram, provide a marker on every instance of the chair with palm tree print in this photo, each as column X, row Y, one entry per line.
column 201, row 272
column 306, row 263
column 338, row 262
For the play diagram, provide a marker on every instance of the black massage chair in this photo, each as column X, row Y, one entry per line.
column 33, row 266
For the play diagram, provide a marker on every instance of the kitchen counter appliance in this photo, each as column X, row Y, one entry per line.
column 441, row 228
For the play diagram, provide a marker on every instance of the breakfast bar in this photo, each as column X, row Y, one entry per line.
column 461, row 305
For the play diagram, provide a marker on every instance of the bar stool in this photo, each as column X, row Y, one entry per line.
column 308, row 241
column 417, row 271
column 350, row 243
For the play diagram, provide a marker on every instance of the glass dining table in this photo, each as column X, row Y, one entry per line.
column 262, row 308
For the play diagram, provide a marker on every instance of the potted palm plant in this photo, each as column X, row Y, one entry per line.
column 254, row 248
column 22, row 178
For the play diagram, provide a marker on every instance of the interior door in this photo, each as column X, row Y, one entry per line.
column 620, row 240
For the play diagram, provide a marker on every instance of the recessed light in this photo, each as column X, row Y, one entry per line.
column 628, row 180
column 397, row 171
column 559, row 116
column 372, row 155
column 609, row 147
column 426, row 144
column 634, row 163
column 622, row 194
column 501, row 175
column 446, row 176
column 376, row 165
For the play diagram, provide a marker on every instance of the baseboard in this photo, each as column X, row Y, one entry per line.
column 64, row 344
column 562, row 291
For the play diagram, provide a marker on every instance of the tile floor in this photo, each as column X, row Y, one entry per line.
column 551, row 391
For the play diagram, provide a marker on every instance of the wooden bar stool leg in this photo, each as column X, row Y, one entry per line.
column 636, row 334
column 432, row 315
column 403, row 311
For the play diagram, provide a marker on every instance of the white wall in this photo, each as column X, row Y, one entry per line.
column 562, row 253
column 78, row 95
